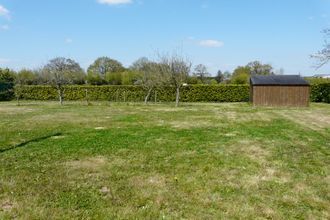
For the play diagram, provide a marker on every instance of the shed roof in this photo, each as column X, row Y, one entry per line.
column 278, row 80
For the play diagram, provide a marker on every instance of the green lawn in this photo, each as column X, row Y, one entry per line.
column 130, row 161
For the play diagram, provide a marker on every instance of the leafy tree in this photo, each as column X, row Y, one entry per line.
column 175, row 70
column 96, row 73
column 27, row 77
column 60, row 72
column 130, row 77
column 201, row 72
column 7, row 82
column 323, row 56
column 241, row 75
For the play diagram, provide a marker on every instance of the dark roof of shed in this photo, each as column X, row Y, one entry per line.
column 279, row 80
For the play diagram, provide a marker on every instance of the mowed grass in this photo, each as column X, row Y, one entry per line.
column 130, row 161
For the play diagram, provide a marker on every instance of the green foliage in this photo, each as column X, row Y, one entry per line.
column 320, row 92
column 313, row 80
column 26, row 77
column 7, row 82
column 193, row 93
column 241, row 75
column 98, row 72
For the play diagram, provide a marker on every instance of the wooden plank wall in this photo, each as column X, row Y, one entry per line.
column 291, row 96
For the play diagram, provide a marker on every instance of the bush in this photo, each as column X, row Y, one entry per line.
column 195, row 93
column 320, row 92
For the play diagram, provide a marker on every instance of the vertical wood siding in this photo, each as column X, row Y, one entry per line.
column 293, row 96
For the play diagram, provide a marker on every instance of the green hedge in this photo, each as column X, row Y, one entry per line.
column 320, row 92
column 193, row 93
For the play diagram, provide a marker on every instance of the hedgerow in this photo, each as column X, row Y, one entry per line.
column 192, row 93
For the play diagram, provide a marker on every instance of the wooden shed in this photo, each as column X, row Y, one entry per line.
column 279, row 90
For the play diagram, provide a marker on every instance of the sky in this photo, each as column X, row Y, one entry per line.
column 221, row 34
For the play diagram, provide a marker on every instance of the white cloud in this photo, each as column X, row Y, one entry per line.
column 211, row 43
column 114, row 2
column 4, row 27
column 68, row 40
column 4, row 12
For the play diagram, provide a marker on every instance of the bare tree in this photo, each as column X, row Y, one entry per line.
column 257, row 68
column 323, row 56
column 175, row 69
column 150, row 76
column 201, row 72
column 60, row 72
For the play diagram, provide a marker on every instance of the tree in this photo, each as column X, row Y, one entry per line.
column 201, row 72
column 7, row 83
column 257, row 68
column 60, row 72
column 150, row 75
column 139, row 64
column 96, row 72
column 323, row 56
column 175, row 69
column 27, row 77
column 219, row 77
column 227, row 76
column 241, row 75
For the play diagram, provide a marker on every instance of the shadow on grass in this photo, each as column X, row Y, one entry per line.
column 35, row 140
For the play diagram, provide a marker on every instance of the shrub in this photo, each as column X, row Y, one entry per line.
column 320, row 92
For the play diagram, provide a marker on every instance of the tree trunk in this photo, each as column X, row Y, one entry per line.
column 177, row 100
column 18, row 103
column 60, row 95
column 147, row 97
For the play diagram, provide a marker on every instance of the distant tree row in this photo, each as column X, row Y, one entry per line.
column 169, row 69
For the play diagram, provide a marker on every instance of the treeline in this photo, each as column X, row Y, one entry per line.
column 107, row 71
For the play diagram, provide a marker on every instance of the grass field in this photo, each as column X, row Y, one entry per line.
column 130, row 161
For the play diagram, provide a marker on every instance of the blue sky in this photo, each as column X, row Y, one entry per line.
column 221, row 34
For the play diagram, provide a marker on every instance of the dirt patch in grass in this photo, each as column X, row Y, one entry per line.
column 192, row 124
column 252, row 150
column 6, row 206
column 234, row 116
column 316, row 120
column 143, row 182
column 92, row 164
column 15, row 110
